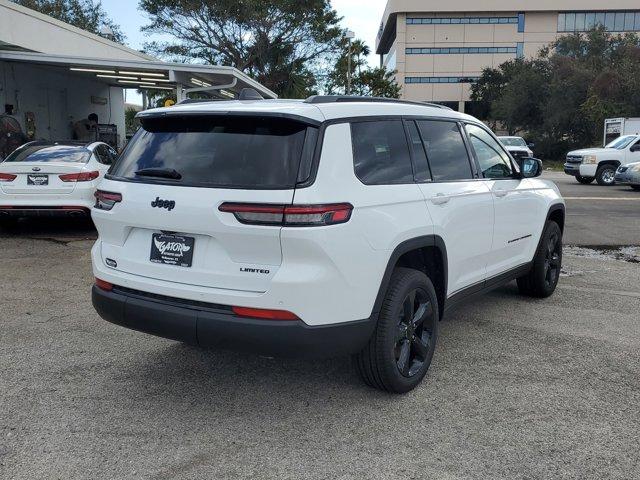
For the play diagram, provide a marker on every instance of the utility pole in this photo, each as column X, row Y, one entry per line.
column 349, row 35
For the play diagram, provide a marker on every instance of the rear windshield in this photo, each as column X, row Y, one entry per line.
column 217, row 151
column 50, row 153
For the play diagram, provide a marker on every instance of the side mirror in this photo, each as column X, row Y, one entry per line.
column 530, row 167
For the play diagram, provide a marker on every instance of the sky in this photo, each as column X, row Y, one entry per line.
column 361, row 16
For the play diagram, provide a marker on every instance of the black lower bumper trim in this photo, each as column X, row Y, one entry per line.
column 45, row 212
column 212, row 328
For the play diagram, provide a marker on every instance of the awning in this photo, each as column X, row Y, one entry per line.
column 140, row 74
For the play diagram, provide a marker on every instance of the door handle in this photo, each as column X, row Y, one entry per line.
column 500, row 193
column 440, row 199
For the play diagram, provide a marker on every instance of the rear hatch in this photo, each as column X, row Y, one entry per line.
column 173, row 177
column 38, row 167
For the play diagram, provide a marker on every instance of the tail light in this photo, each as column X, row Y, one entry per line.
column 7, row 177
column 103, row 285
column 106, row 200
column 79, row 177
column 289, row 215
column 263, row 313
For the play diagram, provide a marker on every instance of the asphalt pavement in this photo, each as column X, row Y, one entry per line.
column 518, row 388
column 608, row 216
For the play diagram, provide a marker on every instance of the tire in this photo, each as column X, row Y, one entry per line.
column 584, row 180
column 635, row 187
column 605, row 176
column 399, row 353
column 542, row 279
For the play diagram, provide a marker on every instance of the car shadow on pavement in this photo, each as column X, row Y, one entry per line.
column 54, row 227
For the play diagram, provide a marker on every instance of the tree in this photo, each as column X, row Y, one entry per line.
column 84, row 14
column 561, row 98
column 281, row 43
column 366, row 81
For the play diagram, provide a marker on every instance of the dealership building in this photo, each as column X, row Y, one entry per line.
column 53, row 75
column 440, row 48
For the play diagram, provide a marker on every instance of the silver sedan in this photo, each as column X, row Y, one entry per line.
column 629, row 174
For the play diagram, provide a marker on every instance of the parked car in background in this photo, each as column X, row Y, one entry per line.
column 601, row 163
column 333, row 226
column 517, row 147
column 629, row 175
column 52, row 178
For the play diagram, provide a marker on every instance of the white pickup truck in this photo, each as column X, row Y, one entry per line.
column 601, row 163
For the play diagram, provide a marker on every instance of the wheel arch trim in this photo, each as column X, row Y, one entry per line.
column 405, row 247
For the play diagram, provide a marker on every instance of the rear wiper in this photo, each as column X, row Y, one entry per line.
column 159, row 172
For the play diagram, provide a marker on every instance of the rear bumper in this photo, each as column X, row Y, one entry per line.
column 210, row 325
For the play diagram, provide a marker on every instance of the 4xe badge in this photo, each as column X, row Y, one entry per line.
column 168, row 204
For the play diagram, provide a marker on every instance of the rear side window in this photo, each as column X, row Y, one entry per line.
column 50, row 153
column 446, row 151
column 380, row 152
column 217, row 151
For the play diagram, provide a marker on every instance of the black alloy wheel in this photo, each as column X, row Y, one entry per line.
column 553, row 260
column 414, row 333
column 542, row 279
column 400, row 350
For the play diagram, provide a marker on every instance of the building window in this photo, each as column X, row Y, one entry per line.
column 462, row 20
column 441, row 79
column 520, row 50
column 521, row 22
column 390, row 61
column 612, row 21
column 459, row 50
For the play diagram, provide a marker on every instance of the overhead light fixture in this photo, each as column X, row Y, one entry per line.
column 144, row 74
column 163, row 80
column 156, row 88
column 200, row 83
column 117, row 76
column 226, row 93
column 92, row 70
column 137, row 82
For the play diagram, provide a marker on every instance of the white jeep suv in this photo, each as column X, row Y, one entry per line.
column 335, row 225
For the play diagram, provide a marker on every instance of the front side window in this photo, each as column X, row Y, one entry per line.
column 494, row 162
column 446, row 150
column 380, row 152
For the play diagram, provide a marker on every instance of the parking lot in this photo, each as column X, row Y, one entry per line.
column 519, row 388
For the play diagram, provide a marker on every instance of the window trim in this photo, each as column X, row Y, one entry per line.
column 406, row 123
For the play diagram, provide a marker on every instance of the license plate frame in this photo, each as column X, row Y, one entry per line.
column 37, row 179
column 172, row 249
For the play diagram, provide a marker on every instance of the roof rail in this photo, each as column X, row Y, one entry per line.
column 318, row 99
column 187, row 101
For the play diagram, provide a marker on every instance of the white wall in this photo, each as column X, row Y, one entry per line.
column 40, row 33
column 58, row 98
